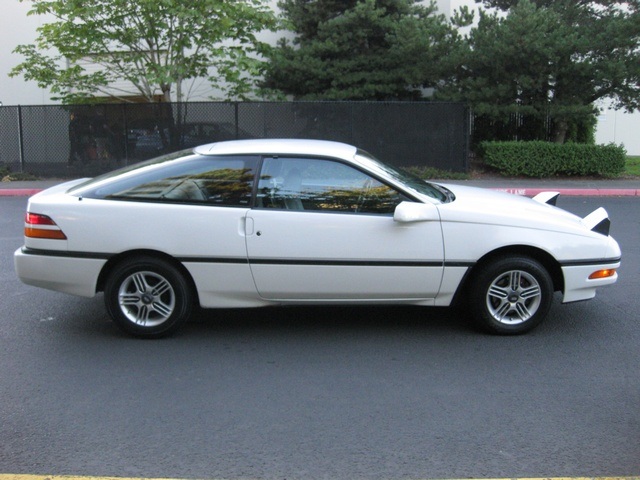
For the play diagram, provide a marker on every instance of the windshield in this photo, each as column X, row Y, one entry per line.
column 409, row 179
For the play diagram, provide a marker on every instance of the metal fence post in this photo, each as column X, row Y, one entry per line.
column 237, row 116
column 20, row 139
column 126, row 133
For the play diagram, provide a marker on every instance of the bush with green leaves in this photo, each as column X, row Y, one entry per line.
column 544, row 159
column 430, row 173
column 6, row 175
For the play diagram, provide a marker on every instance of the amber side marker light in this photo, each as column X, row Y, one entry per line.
column 41, row 226
column 606, row 273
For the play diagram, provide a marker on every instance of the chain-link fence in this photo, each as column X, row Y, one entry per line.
column 79, row 140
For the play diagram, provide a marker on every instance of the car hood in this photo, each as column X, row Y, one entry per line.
column 479, row 205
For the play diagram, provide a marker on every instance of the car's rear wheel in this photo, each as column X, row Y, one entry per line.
column 511, row 296
column 147, row 297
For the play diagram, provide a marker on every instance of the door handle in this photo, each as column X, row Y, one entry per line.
column 246, row 226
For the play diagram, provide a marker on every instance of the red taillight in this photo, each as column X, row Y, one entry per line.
column 41, row 226
column 37, row 219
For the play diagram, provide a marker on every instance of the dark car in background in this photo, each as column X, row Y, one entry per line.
column 149, row 139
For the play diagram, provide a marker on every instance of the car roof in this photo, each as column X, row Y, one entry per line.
column 279, row 146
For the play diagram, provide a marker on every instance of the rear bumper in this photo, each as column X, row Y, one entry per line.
column 77, row 276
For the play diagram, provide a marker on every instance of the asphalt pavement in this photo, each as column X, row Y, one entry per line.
column 316, row 393
column 593, row 187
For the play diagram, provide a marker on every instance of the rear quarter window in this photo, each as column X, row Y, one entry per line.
column 200, row 179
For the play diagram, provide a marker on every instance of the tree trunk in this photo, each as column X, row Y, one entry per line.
column 166, row 93
column 560, row 129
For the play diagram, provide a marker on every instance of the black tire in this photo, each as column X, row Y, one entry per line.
column 147, row 297
column 511, row 296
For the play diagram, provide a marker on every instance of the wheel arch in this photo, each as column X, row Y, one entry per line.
column 551, row 265
column 121, row 257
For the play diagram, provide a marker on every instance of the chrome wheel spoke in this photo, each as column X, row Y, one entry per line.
column 522, row 311
column 531, row 292
column 498, row 292
column 502, row 310
column 160, row 288
column 140, row 282
column 162, row 309
column 129, row 299
column 514, row 281
column 142, row 316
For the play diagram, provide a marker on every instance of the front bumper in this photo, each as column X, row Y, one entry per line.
column 578, row 286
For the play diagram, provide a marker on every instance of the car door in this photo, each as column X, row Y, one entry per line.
column 324, row 230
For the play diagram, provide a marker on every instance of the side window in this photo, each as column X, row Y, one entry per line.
column 322, row 185
column 208, row 180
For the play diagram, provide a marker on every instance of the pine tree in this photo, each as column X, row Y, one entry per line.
column 548, row 58
column 358, row 49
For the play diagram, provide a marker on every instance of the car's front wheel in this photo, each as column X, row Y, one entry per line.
column 511, row 296
column 147, row 297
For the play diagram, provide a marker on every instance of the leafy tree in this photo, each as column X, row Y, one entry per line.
column 155, row 45
column 549, row 58
column 358, row 49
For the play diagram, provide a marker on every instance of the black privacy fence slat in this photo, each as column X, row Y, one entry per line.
column 79, row 140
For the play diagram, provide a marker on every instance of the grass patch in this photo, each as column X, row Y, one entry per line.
column 632, row 166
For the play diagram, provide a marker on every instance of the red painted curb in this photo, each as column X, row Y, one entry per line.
column 574, row 192
column 18, row 192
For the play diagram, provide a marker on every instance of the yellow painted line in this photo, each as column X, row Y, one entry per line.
column 10, row 476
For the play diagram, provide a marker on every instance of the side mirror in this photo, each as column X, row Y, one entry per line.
column 407, row 212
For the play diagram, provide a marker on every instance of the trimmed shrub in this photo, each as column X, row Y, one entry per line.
column 544, row 159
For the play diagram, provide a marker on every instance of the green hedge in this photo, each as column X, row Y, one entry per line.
column 544, row 159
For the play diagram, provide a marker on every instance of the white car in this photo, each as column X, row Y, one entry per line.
column 262, row 222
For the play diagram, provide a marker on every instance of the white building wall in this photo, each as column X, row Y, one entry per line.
column 619, row 127
column 16, row 28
